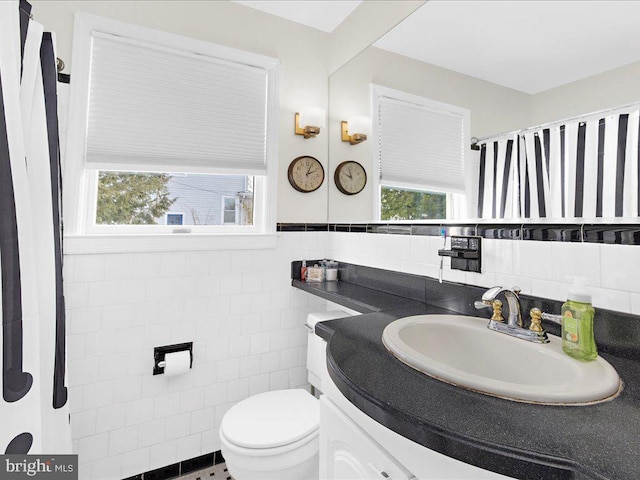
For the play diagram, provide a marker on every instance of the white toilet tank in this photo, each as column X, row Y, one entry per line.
column 316, row 347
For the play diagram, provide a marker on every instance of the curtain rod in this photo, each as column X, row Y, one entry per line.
column 62, row 77
column 557, row 122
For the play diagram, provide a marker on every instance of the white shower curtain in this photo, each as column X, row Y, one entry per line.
column 34, row 411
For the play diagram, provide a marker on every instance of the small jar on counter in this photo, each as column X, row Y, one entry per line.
column 331, row 270
column 315, row 273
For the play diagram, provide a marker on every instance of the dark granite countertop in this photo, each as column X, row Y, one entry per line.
column 519, row 440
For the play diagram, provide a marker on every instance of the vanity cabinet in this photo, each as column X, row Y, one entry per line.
column 348, row 453
column 354, row 446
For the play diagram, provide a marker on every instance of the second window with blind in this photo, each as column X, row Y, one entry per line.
column 420, row 150
column 171, row 128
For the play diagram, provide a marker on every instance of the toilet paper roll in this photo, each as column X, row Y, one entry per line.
column 177, row 363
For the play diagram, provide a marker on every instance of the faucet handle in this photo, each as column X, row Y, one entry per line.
column 536, row 319
column 516, row 289
column 497, row 311
column 480, row 304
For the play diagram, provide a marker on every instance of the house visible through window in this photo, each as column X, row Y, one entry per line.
column 130, row 198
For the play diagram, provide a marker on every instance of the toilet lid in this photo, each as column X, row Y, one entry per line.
column 272, row 419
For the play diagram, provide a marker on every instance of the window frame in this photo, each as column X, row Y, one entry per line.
column 456, row 203
column 81, row 180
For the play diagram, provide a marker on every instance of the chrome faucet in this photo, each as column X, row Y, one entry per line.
column 513, row 327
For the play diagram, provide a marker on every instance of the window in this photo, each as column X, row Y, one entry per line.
column 403, row 204
column 174, row 219
column 420, row 147
column 229, row 210
column 165, row 129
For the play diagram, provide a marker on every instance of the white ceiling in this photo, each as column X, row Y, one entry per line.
column 323, row 15
column 527, row 45
column 530, row 46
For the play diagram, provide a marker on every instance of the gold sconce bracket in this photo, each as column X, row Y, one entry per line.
column 307, row 131
column 354, row 139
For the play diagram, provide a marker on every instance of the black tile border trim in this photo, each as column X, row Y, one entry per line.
column 181, row 468
column 611, row 234
column 552, row 233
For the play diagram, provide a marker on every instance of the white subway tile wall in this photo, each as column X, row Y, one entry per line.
column 247, row 325
column 238, row 308
column 540, row 268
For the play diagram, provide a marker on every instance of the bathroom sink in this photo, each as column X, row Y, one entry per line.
column 462, row 351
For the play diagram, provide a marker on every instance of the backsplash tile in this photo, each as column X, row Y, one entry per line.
column 620, row 263
column 497, row 256
column 569, row 260
column 540, row 267
column 611, row 299
column 533, row 260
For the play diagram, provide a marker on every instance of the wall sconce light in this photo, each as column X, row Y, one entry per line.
column 312, row 121
column 357, row 124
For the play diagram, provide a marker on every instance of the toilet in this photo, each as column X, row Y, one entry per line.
column 274, row 435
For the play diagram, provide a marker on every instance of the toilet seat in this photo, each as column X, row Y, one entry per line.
column 278, row 421
column 307, row 443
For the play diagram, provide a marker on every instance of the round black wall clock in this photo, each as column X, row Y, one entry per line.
column 305, row 174
column 350, row 177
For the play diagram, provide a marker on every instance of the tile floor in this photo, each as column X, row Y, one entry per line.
column 216, row 472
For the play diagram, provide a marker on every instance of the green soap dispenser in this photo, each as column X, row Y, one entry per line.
column 577, row 323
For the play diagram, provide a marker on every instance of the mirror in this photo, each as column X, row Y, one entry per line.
column 494, row 108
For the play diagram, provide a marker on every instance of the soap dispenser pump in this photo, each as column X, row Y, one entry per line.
column 577, row 323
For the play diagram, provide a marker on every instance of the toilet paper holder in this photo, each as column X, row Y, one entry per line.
column 160, row 352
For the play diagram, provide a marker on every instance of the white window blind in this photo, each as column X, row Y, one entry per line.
column 421, row 144
column 156, row 108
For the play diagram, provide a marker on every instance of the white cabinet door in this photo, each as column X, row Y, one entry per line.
column 348, row 453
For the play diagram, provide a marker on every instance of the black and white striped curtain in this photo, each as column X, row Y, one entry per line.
column 586, row 168
column 498, row 170
column 33, row 408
